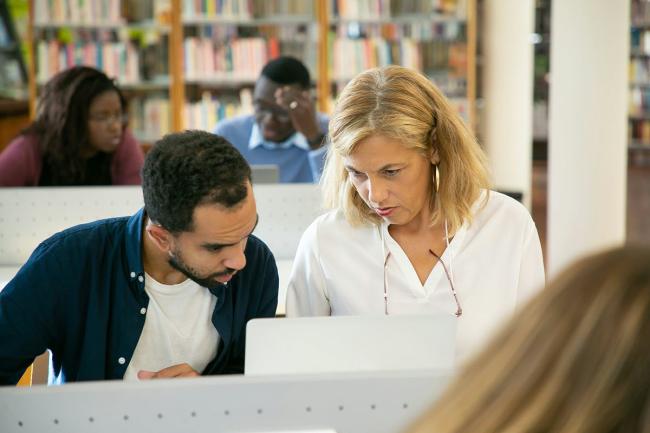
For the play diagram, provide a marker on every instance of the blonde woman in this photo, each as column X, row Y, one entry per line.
column 413, row 227
column 575, row 360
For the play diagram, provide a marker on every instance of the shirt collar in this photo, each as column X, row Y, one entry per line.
column 296, row 139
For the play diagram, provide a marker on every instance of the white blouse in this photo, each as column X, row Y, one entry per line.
column 495, row 264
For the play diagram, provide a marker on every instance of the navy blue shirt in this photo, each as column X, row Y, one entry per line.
column 81, row 295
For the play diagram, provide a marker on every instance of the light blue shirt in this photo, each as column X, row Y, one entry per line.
column 295, row 160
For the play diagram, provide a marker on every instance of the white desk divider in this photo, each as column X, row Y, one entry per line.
column 30, row 215
column 345, row 403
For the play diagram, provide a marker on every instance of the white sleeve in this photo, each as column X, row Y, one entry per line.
column 306, row 292
column 531, row 271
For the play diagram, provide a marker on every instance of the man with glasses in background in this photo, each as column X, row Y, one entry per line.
column 285, row 129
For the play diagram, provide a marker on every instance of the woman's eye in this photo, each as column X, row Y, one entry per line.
column 391, row 173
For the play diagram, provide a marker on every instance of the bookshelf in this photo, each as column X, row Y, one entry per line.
column 639, row 83
column 436, row 37
column 128, row 39
column 13, row 71
column 186, row 64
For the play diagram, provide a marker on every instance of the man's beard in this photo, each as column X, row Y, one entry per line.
column 176, row 262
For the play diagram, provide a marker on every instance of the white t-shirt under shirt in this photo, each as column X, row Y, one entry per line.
column 496, row 263
column 178, row 328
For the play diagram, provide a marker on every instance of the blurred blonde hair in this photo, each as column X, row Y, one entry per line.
column 575, row 360
column 402, row 104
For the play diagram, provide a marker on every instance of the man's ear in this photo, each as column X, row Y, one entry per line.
column 160, row 236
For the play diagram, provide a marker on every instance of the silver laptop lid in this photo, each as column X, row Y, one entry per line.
column 350, row 344
column 265, row 173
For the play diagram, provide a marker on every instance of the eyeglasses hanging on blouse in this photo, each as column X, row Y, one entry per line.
column 459, row 309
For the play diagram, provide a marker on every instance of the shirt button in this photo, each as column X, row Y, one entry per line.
column 143, row 310
column 132, row 274
column 121, row 360
column 141, row 278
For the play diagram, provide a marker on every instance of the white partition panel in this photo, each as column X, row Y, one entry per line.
column 30, row 215
column 285, row 211
column 345, row 403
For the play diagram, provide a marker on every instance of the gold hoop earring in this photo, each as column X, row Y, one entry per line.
column 436, row 178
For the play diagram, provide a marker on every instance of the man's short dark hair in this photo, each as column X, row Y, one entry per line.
column 287, row 70
column 191, row 168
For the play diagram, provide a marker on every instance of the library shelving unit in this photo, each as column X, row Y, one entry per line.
column 435, row 37
column 639, row 102
column 226, row 44
column 186, row 64
column 13, row 71
column 127, row 39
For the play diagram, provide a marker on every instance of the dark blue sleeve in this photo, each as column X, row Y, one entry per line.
column 269, row 285
column 28, row 305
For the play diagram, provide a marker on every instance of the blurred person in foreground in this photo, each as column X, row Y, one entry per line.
column 574, row 360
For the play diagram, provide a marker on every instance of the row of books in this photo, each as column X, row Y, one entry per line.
column 117, row 59
column 352, row 56
column 149, row 118
column 639, row 102
column 208, row 110
column 640, row 12
column 640, row 40
column 77, row 11
column 246, row 9
column 639, row 131
column 639, row 71
column 383, row 9
column 244, row 58
column 420, row 30
column 238, row 59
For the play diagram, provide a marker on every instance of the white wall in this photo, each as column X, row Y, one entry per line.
column 508, row 93
column 587, row 128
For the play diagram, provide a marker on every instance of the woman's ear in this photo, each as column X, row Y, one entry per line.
column 434, row 157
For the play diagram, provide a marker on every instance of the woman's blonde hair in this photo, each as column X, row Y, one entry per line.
column 575, row 360
column 402, row 104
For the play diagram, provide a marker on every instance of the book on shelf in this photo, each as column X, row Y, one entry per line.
column 639, row 132
column 149, row 117
column 207, row 111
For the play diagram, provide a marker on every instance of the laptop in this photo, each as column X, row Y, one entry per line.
column 265, row 173
column 309, row 345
